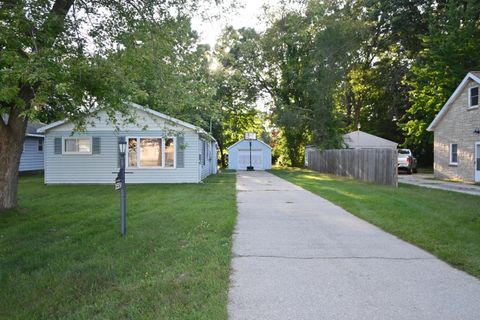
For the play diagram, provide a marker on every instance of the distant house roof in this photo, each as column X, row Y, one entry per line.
column 233, row 145
column 32, row 127
column 363, row 140
column 472, row 75
column 145, row 109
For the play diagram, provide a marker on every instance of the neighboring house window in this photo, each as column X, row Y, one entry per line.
column 77, row 145
column 203, row 152
column 473, row 97
column 40, row 145
column 453, row 153
column 151, row 152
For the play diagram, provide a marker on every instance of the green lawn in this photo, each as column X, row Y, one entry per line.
column 447, row 224
column 61, row 255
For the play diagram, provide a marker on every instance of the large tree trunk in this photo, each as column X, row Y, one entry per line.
column 12, row 135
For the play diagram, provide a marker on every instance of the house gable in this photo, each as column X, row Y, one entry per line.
column 460, row 95
column 145, row 120
column 456, row 132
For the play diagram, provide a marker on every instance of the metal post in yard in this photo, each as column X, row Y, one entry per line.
column 250, row 136
column 122, row 146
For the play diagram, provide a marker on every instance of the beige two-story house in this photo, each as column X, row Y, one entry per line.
column 457, row 133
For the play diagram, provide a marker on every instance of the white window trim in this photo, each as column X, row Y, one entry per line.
column 38, row 144
column 450, row 155
column 469, row 106
column 77, row 153
column 164, row 140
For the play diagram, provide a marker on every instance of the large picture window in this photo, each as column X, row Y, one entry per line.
column 77, row 145
column 151, row 152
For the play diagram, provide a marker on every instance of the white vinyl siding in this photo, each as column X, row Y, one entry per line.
column 208, row 153
column 239, row 155
column 31, row 159
column 98, row 168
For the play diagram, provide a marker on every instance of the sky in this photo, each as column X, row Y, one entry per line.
column 245, row 16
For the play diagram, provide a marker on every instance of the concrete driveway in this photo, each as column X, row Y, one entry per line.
column 428, row 181
column 298, row 256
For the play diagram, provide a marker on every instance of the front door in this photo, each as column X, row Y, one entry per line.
column 477, row 161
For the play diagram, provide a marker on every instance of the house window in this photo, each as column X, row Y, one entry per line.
column 473, row 97
column 77, row 145
column 453, row 153
column 151, row 152
column 40, row 145
column 169, row 152
column 132, row 152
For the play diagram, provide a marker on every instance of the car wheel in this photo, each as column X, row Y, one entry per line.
column 415, row 170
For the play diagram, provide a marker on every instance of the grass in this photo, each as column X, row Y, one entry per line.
column 447, row 224
column 62, row 257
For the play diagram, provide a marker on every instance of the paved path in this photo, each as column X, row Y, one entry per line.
column 298, row 256
column 427, row 181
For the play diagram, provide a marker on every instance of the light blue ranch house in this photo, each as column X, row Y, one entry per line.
column 160, row 149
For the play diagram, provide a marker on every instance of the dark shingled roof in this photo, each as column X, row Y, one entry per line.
column 32, row 126
column 475, row 73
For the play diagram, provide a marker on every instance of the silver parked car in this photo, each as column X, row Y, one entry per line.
column 406, row 161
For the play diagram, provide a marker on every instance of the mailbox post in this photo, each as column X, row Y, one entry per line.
column 250, row 136
column 120, row 182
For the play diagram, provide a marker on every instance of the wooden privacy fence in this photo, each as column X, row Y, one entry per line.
column 372, row 165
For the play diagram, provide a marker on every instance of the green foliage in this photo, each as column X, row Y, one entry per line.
column 61, row 58
column 298, row 63
column 450, row 50
column 169, row 70
column 63, row 257
column 237, row 93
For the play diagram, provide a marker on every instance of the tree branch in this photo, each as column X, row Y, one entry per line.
column 54, row 24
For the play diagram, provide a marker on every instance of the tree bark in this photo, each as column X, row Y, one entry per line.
column 12, row 132
column 222, row 155
column 12, row 135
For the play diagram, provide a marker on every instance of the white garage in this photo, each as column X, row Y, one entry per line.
column 239, row 155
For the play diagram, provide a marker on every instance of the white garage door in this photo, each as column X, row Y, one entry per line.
column 244, row 159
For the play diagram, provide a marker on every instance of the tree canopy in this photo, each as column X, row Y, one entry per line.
column 318, row 70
